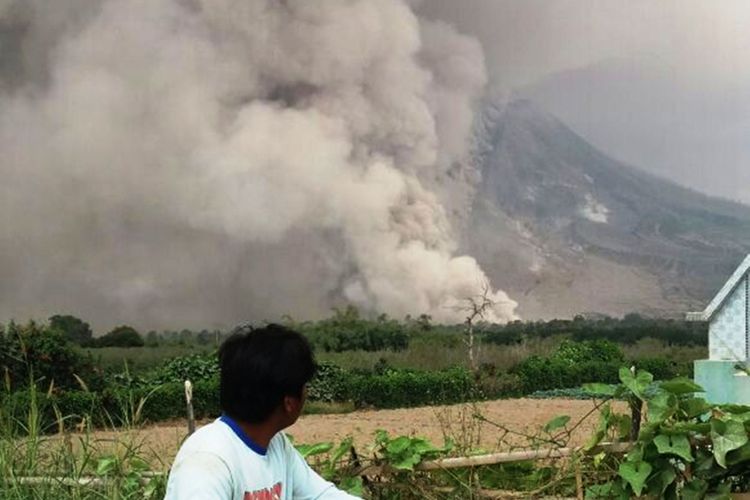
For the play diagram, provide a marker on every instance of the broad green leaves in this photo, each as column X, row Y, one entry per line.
column 635, row 473
column 674, row 445
column 661, row 406
column 404, row 452
column 686, row 447
column 637, row 383
column 727, row 435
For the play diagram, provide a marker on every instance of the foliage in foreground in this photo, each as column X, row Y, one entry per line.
column 35, row 463
column 685, row 448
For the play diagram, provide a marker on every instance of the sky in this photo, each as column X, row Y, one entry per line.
column 205, row 162
column 663, row 85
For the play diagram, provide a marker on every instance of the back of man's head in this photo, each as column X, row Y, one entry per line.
column 259, row 367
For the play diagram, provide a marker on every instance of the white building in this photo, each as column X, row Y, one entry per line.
column 728, row 316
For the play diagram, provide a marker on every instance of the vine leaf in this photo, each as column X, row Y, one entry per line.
column 597, row 389
column 605, row 417
column 739, row 455
column 607, row 490
column 661, row 406
column 675, row 445
column 352, row 485
column 727, row 435
column 635, row 473
column 680, row 386
column 637, row 383
column 662, row 480
column 694, row 407
column 694, row 490
column 558, row 422
column 308, row 450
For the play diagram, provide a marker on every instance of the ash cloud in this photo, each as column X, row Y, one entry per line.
column 174, row 162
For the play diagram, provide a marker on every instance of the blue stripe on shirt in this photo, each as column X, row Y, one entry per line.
column 241, row 434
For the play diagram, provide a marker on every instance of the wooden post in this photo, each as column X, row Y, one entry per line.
column 189, row 401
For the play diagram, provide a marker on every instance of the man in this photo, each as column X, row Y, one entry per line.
column 243, row 455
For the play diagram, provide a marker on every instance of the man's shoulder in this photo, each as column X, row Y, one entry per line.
column 211, row 438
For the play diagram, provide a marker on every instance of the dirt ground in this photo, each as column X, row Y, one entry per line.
column 522, row 416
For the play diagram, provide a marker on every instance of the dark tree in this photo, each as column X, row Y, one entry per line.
column 73, row 329
column 40, row 354
column 121, row 336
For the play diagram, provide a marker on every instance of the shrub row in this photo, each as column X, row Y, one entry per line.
column 408, row 388
column 541, row 374
column 393, row 389
column 627, row 330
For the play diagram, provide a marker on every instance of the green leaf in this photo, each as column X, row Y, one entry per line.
column 740, row 455
column 635, row 473
column 680, row 386
column 342, row 449
column 556, row 423
column 638, row 383
column 674, row 445
column 381, row 437
column 695, row 427
column 661, row 480
column 607, row 490
column 308, row 450
column 694, row 490
column 694, row 407
column 607, row 390
column 352, row 485
column 600, row 433
column 623, row 424
column 648, row 431
column 661, row 406
column 727, row 435
column 406, row 462
column 398, row 445
column 106, row 465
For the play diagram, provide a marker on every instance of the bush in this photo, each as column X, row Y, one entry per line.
column 74, row 329
column 121, row 336
column 194, row 367
column 538, row 374
column 37, row 351
column 664, row 369
column 408, row 388
column 347, row 331
column 329, row 384
column 573, row 364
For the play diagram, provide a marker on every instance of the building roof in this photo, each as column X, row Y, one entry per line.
column 726, row 291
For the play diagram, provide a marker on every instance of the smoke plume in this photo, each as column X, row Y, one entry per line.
column 200, row 162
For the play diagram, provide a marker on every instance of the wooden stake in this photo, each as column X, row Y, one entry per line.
column 189, row 401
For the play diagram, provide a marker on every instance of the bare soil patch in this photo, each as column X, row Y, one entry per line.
column 523, row 416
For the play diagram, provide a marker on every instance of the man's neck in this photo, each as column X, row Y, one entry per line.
column 262, row 433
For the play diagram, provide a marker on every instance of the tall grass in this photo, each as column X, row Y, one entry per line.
column 46, row 460
column 426, row 354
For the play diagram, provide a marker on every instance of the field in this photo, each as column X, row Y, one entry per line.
column 524, row 416
column 388, row 396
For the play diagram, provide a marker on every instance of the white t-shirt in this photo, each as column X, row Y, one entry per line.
column 219, row 462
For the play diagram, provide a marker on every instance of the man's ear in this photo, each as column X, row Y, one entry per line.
column 291, row 405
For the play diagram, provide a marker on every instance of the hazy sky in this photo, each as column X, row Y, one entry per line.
column 664, row 85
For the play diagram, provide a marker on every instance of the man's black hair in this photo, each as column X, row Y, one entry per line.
column 259, row 367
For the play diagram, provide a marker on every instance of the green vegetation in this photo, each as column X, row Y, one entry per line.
column 684, row 447
column 121, row 336
column 377, row 362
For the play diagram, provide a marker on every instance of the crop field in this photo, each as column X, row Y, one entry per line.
column 435, row 423
column 397, row 410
